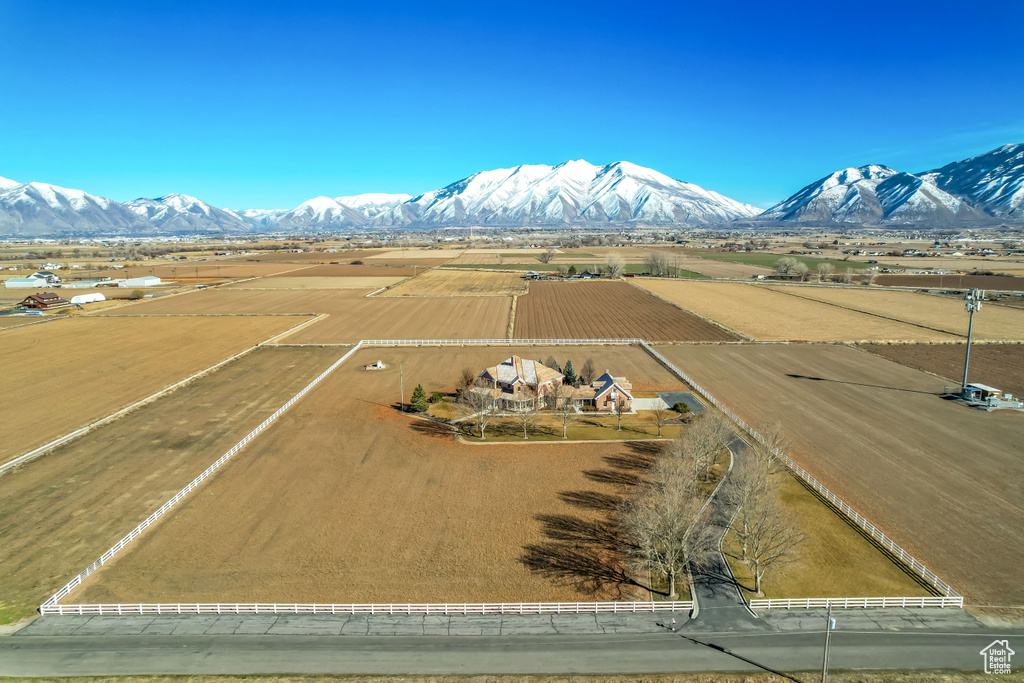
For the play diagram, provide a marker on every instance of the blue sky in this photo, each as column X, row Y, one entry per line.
column 267, row 104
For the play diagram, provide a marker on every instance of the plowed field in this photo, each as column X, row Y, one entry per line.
column 205, row 270
column 60, row 512
column 953, row 281
column 603, row 310
column 461, row 283
column 64, row 374
column 329, row 282
column 998, row 365
column 342, row 270
column 944, row 481
column 345, row 500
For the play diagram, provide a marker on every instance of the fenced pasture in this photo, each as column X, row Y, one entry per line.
column 941, row 313
column 342, row 500
column 67, row 373
column 766, row 315
column 606, row 309
column 941, row 479
column 461, row 283
column 60, row 511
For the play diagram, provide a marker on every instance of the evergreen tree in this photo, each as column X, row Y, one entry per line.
column 570, row 373
column 419, row 399
column 572, row 270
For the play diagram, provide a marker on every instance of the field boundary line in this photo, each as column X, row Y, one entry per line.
column 462, row 608
column 296, row 328
column 60, row 441
column 510, row 332
column 743, row 337
column 117, row 547
column 876, row 534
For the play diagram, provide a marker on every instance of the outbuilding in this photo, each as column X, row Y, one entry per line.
column 144, row 281
column 88, row 298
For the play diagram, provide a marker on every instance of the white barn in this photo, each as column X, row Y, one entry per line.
column 144, row 281
column 88, row 298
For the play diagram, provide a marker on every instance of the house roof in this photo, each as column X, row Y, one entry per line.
column 515, row 369
column 606, row 383
column 45, row 298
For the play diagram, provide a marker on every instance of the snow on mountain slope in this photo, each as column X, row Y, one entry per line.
column 7, row 183
column 43, row 209
column 870, row 194
column 372, row 204
column 320, row 212
column 992, row 182
column 183, row 213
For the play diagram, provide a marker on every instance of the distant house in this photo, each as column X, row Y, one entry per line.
column 43, row 301
column 51, row 278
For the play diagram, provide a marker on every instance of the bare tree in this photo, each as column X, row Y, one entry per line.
column 546, row 256
column 552, row 363
column 613, row 265
column 466, row 379
column 662, row 415
column 868, row 277
column 619, row 409
column 847, row 277
column 701, row 445
column 586, row 374
column 765, row 452
column 802, row 270
column 481, row 404
column 767, row 532
column 564, row 408
column 528, row 412
column 563, row 269
column 784, row 265
column 665, row 526
column 825, row 271
column 657, row 263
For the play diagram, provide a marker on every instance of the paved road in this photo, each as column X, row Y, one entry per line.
column 628, row 653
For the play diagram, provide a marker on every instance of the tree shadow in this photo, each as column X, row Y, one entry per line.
column 860, row 384
column 431, row 428
column 591, row 500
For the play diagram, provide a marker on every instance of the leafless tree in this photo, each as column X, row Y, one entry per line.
column 552, row 363
column 563, row 269
column 825, row 271
column 701, row 444
column 546, row 256
column 868, row 277
column 481, row 404
column 662, row 415
column 528, row 412
column 613, row 265
column 765, row 451
column 784, row 265
column 586, row 374
column 767, row 532
column 665, row 525
column 620, row 409
column 847, row 277
column 802, row 270
column 465, row 380
column 657, row 263
column 564, row 408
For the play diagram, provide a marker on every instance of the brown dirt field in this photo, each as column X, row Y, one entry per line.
column 352, row 315
column 346, row 256
column 354, row 271
column 62, row 375
column 766, row 315
column 418, row 254
column 327, row 282
column 941, row 313
column 1015, row 284
column 345, row 500
column 998, row 365
column 419, row 263
column 944, row 481
column 206, row 270
column 461, row 283
column 60, row 512
column 603, row 310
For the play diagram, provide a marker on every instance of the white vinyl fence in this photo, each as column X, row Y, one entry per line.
column 496, row 342
column 855, row 603
column 401, row 608
column 859, row 519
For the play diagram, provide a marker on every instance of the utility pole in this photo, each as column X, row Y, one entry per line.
column 830, row 624
column 401, row 387
column 973, row 298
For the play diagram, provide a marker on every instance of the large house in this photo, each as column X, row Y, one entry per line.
column 44, row 300
column 518, row 383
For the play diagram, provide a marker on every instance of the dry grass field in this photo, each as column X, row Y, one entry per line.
column 944, row 481
column 723, row 269
column 1002, row 282
column 326, row 282
column 352, row 316
column 939, row 313
column 602, row 310
column 998, row 365
column 345, row 500
column 461, row 283
column 766, row 315
column 341, row 256
column 347, row 270
column 437, row 255
column 62, row 375
column 60, row 512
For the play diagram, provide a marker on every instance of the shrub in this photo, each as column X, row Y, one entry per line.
column 436, row 397
column 136, row 294
column 681, row 408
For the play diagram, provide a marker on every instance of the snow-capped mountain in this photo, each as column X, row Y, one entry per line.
column 7, row 183
column 260, row 218
column 341, row 212
column 33, row 209
column 871, row 194
column 372, row 204
column 182, row 213
column 572, row 192
column 992, row 182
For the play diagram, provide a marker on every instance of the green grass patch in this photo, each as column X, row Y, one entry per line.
column 756, row 258
column 640, row 269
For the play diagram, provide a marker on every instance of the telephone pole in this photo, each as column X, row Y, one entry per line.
column 401, row 388
column 830, row 624
column 973, row 298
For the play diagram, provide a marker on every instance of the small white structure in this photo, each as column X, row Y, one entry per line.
column 379, row 365
column 31, row 282
column 88, row 298
column 144, row 281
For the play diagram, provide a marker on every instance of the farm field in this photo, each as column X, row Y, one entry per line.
column 602, row 310
column 998, row 365
column 941, row 313
column 944, row 481
column 953, row 281
column 344, row 500
column 185, row 270
column 293, row 258
column 352, row 316
column 768, row 259
column 63, row 375
column 346, row 270
column 458, row 283
column 60, row 512
column 766, row 315
column 724, row 269
column 439, row 255
column 325, row 282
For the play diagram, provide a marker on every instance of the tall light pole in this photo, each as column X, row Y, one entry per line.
column 830, row 624
column 973, row 305
column 401, row 388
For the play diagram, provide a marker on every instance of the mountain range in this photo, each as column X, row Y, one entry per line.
column 985, row 189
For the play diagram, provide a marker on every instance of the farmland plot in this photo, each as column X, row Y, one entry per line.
column 770, row 316
column 954, row 281
column 345, row 500
column 998, row 365
column 347, row 270
column 60, row 512
column 328, row 282
column 940, row 313
column 205, row 270
column 63, row 375
column 600, row 310
column 461, row 283
column 943, row 480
